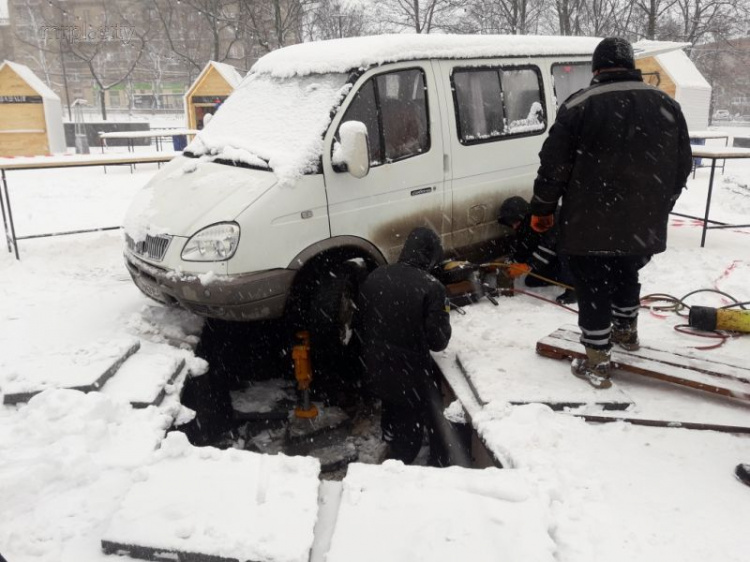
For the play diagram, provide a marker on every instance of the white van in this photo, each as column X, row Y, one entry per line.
column 330, row 153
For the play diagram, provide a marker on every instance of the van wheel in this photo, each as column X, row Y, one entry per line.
column 332, row 304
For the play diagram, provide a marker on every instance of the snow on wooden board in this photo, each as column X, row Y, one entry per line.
column 558, row 388
column 231, row 505
column 85, row 369
column 142, row 379
column 404, row 513
column 724, row 380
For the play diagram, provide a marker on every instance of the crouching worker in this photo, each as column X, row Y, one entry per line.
column 534, row 251
column 403, row 317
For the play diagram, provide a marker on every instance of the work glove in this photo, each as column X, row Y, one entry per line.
column 518, row 269
column 543, row 223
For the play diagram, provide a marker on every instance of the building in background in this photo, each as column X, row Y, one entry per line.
column 31, row 121
column 675, row 74
column 208, row 92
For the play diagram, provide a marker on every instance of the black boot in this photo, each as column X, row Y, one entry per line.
column 743, row 473
column 625, row 334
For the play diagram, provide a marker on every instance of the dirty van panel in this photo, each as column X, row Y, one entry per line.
column 405, row 185
column 390, row 237
column 497, row 119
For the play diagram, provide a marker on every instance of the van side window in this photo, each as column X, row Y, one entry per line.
column 404, row 111
column 497, row 103
column 569, row 78
column 393, row 106
column 363, row 108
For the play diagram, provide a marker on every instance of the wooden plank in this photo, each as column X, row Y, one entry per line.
column 98, row 380
column 719, row 367
column 555, row 347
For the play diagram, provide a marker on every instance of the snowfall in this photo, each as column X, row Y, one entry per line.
column 79, row 470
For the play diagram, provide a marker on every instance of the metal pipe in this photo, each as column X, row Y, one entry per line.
column 455, row 449
column 12, row 238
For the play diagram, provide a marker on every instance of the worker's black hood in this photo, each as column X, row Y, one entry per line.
column 422, row 249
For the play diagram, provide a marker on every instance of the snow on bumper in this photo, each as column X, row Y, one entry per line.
column 252, row 296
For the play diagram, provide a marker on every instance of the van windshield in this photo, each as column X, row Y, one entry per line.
column 273, row 123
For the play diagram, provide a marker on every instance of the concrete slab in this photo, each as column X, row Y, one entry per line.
column 206, row 504
column 404, row 513
column 142, row 379
column 557, row 388
column 86, row 369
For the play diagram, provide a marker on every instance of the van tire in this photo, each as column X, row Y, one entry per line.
column 333, row 304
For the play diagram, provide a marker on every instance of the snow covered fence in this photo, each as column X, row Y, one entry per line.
column 62, row 161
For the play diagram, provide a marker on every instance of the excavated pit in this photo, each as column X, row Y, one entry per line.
column 246, row 400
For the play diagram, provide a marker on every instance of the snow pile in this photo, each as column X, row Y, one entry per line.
column 65, row 462
column 622, row 492
column 233, row 504
column 274, row 122
column 77, row 368
column 405, row 513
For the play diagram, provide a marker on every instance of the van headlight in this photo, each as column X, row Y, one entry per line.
column 217, row 242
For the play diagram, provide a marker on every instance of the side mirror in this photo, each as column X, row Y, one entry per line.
column 353, row 150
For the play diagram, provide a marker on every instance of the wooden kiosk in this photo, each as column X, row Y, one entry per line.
column 674, row 73
column 213, row 85
column 31, row 120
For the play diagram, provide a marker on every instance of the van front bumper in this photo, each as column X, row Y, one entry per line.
column 252, row 296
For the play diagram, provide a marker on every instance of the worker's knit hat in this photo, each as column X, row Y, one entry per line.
column 513, row 209
column 613, row 52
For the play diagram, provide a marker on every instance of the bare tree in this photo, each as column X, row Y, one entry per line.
column 420, row 16
column 110, row 51
column 330, row 19
column 515, row 17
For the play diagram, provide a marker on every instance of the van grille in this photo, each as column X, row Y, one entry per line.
column 153, row 247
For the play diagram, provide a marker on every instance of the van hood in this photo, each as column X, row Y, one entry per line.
column 189, row 194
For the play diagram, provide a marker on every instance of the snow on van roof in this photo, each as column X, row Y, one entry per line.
column 343, row 55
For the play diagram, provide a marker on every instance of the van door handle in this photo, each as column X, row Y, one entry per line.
column 422, row 191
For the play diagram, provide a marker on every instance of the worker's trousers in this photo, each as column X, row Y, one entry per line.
column 402, row 425
column 607, row 289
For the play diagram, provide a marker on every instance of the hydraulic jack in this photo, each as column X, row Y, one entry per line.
column 303, row 373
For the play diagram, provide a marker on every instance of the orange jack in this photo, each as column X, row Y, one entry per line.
column 303, row 374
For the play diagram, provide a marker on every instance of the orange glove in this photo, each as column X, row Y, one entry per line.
column 518, row 269
column 542, row 224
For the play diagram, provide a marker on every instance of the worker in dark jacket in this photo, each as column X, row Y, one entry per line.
column 534, row 252
column 403, row 317
column 618, row 156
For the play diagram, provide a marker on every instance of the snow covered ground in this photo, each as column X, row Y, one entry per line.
column 617, row 492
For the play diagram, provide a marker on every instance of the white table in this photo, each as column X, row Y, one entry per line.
column 708, row 135
column 715, row 153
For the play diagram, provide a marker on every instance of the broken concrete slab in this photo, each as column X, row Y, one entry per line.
column 86, row 369
column 264, row 401
column 330, row 426
column 206, row 504
column 336, row 456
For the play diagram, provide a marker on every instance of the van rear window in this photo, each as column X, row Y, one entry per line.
column 497, row 103
column 569, row 78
